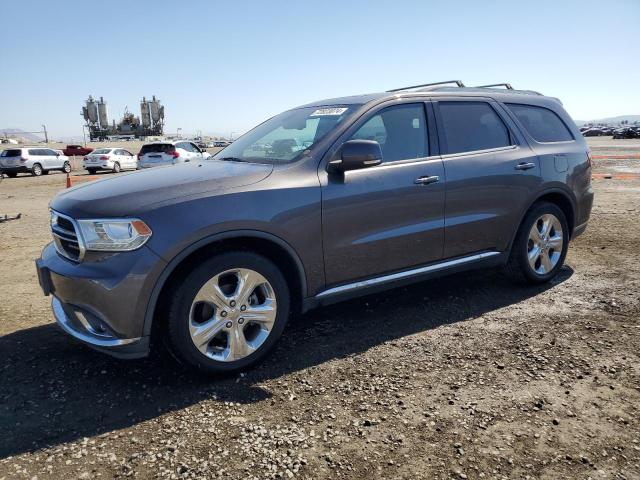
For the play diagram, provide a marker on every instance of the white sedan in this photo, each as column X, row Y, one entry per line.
column 114, row 159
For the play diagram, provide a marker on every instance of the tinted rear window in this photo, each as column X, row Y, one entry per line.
column 157, row 148
column 470, row 126
column 11, row 153
column 541, row 123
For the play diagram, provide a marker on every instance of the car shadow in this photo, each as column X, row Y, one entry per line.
column 54, row 390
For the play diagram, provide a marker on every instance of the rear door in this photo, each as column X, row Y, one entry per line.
column 388, row 217
column 491, row 174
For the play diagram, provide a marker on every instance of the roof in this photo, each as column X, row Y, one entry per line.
column 435, row 90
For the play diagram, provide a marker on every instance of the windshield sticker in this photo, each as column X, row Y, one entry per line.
column 328, row 111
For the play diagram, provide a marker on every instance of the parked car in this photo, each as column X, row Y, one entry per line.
column 34, row 160
column 221, row 143
column 212, row 257
column 627, row 132
column 157, row 154
column 114, row 159
column 593, row 132
column 77, row 150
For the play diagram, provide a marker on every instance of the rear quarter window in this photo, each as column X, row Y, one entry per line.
column 542, row 124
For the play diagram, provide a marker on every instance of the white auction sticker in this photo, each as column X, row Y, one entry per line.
column 328, row 111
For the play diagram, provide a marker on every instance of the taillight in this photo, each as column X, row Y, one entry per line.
column 174, row 153
column 104, row 157
column 22, row 159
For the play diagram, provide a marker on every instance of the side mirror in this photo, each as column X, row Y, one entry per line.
column 356, row 154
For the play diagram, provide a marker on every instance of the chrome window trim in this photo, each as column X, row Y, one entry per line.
column 405, row 274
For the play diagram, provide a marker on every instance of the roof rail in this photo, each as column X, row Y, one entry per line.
column 457, row 82
column 505, row 85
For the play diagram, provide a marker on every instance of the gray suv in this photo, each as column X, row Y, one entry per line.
column 327, row 201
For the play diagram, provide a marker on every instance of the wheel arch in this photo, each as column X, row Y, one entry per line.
column 559, row 197
column 268, row 245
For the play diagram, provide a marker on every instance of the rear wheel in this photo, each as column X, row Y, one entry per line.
column 66, row 168
column 540, row 246
column 228, row 312
column 36, row 170
column 11, row 174
column 116, row 167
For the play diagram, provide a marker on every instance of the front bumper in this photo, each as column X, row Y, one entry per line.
column 102, row 301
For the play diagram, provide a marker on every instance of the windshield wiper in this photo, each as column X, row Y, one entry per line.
column 231, row 159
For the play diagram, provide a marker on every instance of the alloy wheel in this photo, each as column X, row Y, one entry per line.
column 544, row 246
column 232, row 314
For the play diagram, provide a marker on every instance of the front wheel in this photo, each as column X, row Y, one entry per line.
column 116, row 167
column 228, row 312
column 540, row 246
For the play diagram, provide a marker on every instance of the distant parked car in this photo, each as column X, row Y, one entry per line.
column 34, row 160
column 593, row 132
column 114, row 159
column 77, row 150
column 157, row 154
column 627, row 132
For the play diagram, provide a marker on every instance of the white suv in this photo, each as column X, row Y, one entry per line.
column 169, row 153
column 34, row 160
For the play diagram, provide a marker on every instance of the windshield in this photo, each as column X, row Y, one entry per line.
column 285, row 137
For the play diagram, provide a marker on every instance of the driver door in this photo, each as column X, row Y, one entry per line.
column 388, row 217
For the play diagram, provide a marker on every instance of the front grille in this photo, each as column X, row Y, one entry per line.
column 65, row 237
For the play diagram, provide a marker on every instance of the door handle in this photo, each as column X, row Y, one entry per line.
column 426, row 180
column 525, row 166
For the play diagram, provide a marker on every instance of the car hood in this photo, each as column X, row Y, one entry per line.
column 133, row 193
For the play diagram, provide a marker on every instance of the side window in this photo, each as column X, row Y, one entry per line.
column 541, row 123
column 35, row 152
column 400, row 130
column 471, row 126
column 194, row 148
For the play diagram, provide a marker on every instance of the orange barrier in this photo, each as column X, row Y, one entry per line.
column 616, row 176
column 613, row 157
column 72, row 179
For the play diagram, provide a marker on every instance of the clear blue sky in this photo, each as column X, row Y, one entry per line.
column 220, row 67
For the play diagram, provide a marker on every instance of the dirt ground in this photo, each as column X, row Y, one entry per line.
column 464, row 377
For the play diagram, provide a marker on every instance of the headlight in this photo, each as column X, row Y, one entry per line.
column 114, row 235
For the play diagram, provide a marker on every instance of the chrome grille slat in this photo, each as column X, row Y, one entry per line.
column 65, row 237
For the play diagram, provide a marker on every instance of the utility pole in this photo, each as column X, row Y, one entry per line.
column 46, row 138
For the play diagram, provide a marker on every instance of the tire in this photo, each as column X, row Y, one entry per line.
column 45, row 172
column 11, row 174
column 536, row 259
column 36, row 170
column 92, row 171
column 116, row 167
column 66, row 168
column 239, row 342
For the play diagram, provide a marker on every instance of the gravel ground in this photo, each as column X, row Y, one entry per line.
column 464, row 377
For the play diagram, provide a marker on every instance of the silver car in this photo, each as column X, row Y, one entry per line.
column 33, row 160
column 158, row 154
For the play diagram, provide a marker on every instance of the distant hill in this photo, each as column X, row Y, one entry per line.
column 611, row 120
column 20, row 135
